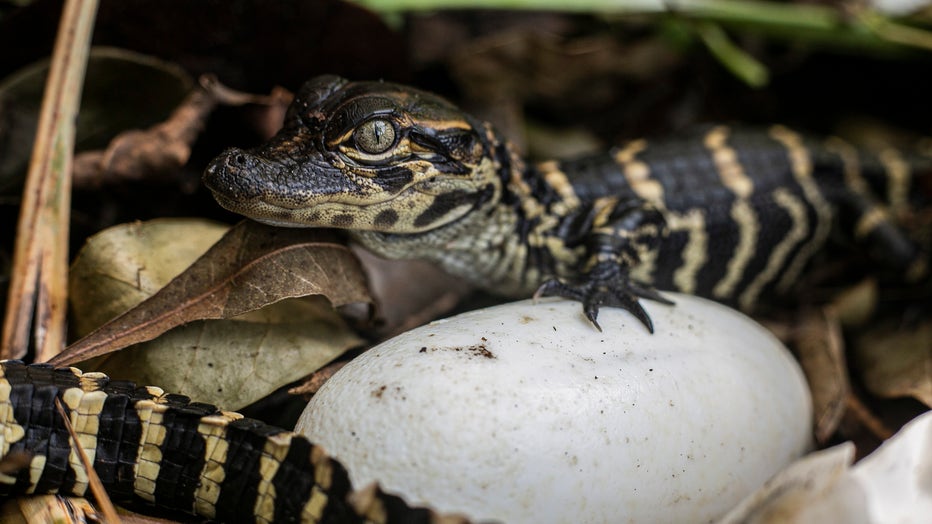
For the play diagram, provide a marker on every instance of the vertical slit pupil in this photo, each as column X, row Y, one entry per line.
column 375, row 136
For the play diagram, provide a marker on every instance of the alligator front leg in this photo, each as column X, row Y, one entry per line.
column 620, row 234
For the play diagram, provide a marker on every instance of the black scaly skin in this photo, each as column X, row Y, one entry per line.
column 727, row 214
column 183, row 455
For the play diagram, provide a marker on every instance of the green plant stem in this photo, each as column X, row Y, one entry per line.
column 818, row 24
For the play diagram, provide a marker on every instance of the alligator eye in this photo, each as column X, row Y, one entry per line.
column 375, row 136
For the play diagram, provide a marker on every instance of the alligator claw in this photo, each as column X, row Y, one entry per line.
column 593, row 294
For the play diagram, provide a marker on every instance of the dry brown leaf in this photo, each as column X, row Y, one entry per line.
column 896, row 361
column 821, row 353
column 253, row 265
column 228, row 362
column 235, row 362
column 123, row 265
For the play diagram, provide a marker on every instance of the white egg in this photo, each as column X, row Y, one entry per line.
column 526, row 413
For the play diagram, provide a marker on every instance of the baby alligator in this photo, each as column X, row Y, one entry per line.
column 724, row 214
column 166, row 450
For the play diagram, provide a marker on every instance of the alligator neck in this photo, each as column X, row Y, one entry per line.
column 502, row 243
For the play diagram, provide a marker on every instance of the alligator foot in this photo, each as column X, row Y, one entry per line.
column 619, row 292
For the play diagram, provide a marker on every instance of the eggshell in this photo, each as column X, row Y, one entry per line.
column 526, row 413
column 889, row 486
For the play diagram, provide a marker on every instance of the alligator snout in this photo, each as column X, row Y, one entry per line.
column 235, row 174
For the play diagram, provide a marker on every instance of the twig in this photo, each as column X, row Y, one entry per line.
column 863, row 414
column 39, row 279
column 93, row 481
column 317, row 379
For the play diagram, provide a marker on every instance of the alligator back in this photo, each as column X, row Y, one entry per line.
column 746, row 209
column 166, row 450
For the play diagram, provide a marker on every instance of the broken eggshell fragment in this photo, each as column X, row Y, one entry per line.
column 525, row 413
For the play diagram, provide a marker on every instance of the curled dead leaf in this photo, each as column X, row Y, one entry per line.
column 250, row 267
column 820, row 350
column 122, row 266
column 230, row 362
column 896, row 360
column 235, row 362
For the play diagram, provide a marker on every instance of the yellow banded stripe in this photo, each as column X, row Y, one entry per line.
column 323, row 470
column 213, row 429
column 637, row 172
column 557, row 179
column 36, row 469
column 273, row 453
column 726, row 162
column 85, row 403
column 801, row 165
column 748, row 230
column 851, row 165
column 868, row 222
column 874, row 214
column 305, row 486
column 367, row 503
column 647, row 265
column 12, row 432
column 733, row 177
column 531, row 207
column 696, row 251
column 797, row 233
column 149, row 453
column 313, row 510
